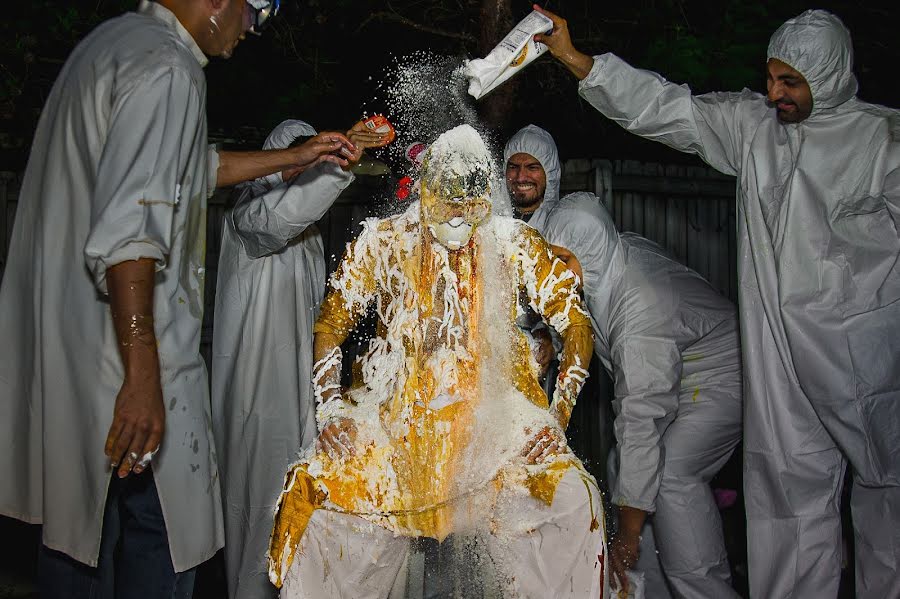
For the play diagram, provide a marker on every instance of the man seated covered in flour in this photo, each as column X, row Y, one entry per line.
column 449, row 431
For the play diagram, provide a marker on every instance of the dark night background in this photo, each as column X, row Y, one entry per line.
column 322, row 59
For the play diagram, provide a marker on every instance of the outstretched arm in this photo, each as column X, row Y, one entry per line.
column 267, row 220
column 559, row 42
column 237, row 167
column 645, row 104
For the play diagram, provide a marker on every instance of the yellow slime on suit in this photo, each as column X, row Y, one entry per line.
column 429, row 458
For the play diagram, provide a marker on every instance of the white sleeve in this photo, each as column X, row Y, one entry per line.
column 153, row 131
column 212, row 165
column 645, row 104
column 267, row 222
column 647, row 368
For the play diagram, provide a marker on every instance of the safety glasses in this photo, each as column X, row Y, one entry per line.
column 260, row 17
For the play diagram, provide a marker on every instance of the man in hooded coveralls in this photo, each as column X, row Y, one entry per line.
column 818, row 202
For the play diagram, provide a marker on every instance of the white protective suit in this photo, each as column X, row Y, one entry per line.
column 819, row 255
column 119, row 170
column 670, row 343
column 271, row 280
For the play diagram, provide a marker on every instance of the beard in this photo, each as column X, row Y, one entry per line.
column 525, row 202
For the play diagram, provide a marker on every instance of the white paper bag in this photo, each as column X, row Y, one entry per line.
column 510, row 56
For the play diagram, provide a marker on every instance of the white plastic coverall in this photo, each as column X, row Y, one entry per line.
column 118, row 171
column 271, row 280
column 819, row 268
column 670, row 343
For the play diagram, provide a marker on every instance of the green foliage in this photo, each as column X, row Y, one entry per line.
column 323, row 58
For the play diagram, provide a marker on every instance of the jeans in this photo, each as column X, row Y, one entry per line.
column 134, row 560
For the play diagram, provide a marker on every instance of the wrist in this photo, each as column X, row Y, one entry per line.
column 331, row 411
column 578, row 63
column 140, row 359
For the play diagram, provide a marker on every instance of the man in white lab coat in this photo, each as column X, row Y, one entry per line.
column 103, row 393
column 271, row 279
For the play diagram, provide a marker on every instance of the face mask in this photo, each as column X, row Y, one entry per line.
column 454, row 233
column 453, row 220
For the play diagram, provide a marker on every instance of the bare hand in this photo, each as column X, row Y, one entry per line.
column 571, row 262
column 364, row 138
column 623, row 555
column 139, row 421
column 544, row 353
column 543, row 445
column 337, row 439
column 559, row 42
column 325, row 147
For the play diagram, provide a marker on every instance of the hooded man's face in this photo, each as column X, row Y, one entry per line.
column 526, row 181
column 788, row 91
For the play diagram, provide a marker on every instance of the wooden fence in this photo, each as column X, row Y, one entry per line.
column 688, row 210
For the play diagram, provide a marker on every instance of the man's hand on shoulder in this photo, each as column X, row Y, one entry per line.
column 571, row 262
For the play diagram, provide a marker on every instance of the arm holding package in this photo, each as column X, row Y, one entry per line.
column 267, row 220
column 645, row 104
column 553, row 291
column 154, row 129
column 647, row 367
column 350, row 291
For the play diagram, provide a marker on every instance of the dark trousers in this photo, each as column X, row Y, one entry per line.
column 134, row 561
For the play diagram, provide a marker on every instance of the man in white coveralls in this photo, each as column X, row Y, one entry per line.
column 670, row 343
column 449, row 431
column 271, row 279
column 818, row 202
column 103, row 394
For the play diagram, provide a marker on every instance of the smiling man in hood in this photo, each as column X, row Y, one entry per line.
column 670, row 343
column 818, row 202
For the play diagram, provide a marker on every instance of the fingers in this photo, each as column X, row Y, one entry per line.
column 332, row 137
column 325, row 147
column 342, row 162
column 619, row 573
column 135, row 450
column 536, row 450
column 135, row 446
column 145, row 460
column 622, row 559
column 558, row 21
column 337, row 440
column 151, row 447
column 120, row 446
column 112, row 439
column 544, row 445
column 369, row 139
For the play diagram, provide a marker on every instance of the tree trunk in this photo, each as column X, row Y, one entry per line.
column 496, row 22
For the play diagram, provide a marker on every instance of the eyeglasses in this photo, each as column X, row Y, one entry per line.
column 260, row 16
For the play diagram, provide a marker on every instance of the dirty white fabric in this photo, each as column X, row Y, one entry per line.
column 271, row 280
column 819, row 254
column 670, row 343
column 118, row 171
column 535, row 551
